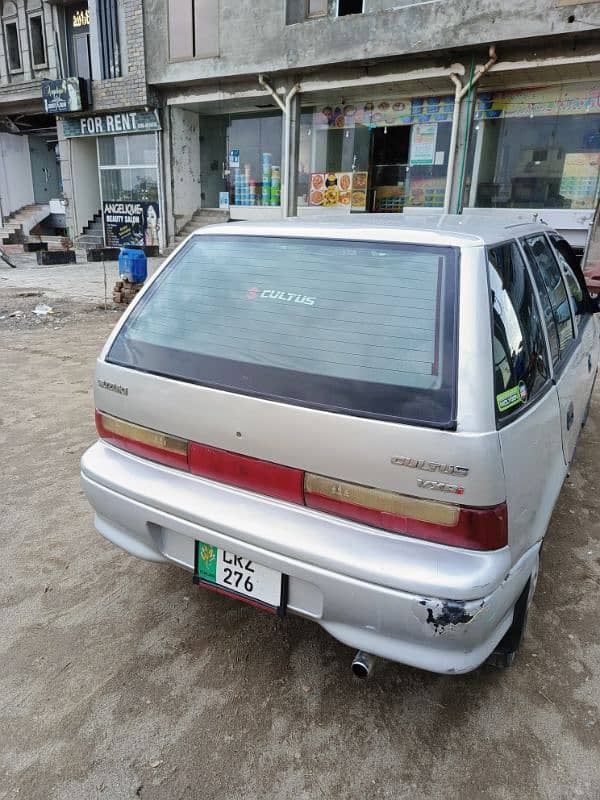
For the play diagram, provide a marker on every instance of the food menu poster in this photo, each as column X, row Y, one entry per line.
column 422, row 145
column 334, row 189
column 579, row 182
column 426, row 192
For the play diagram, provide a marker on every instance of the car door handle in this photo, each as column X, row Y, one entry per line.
column 570, row 416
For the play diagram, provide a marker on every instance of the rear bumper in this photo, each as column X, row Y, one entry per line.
column 376, row 592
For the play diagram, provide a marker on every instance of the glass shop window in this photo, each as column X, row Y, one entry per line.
column 254, row 144
column 128, row 167
column 535, row 150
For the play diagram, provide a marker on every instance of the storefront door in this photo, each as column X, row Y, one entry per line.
column 45, row 171
column 360, row 169
column 389, row 165
column 213, row 159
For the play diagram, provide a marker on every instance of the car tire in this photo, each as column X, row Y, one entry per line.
column 506, row 651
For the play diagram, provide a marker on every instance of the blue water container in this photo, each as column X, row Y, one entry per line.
column 133, row 265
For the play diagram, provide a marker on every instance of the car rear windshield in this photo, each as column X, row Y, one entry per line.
column 363, row 328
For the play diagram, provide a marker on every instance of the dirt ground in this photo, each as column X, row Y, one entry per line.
column 120, row 679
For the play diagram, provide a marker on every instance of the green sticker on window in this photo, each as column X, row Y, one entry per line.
column 509, row 398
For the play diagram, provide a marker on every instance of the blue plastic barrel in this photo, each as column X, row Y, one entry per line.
column 133, row 265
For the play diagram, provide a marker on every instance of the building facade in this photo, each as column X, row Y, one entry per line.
column 75, row 108
column 110, row 151
column 357, row 106
column 29, row 157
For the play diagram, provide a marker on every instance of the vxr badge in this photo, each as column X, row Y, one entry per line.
column 440, row 486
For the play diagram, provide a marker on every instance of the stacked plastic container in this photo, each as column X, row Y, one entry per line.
column 248, row 192
column 267, row 160
column 237, row 188
column 275, row 185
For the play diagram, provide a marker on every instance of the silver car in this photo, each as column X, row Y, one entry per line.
column 365, row 423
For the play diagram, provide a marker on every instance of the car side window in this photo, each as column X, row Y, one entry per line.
column 519, row 346
column 553, row 291
column 573, row 274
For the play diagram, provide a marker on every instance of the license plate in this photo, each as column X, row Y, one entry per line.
column 242, row 578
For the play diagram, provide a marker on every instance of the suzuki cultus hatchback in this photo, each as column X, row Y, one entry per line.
column 364, row 423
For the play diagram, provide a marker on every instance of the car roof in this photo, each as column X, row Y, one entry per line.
column 458, row 230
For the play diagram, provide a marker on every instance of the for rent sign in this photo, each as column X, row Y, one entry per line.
column 111, row 124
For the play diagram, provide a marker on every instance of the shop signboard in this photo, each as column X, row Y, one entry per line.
column 62, row 96
column 80, row 18
column 546, row 101
column 378, row 113
column 422, row 146
column 131, row 223
column 112, row 124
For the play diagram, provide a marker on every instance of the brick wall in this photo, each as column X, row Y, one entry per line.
column 130, row 89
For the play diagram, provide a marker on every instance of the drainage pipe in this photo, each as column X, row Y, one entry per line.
column 266, row 85
column 287, row 160
column 459, row 93
column 286, row 108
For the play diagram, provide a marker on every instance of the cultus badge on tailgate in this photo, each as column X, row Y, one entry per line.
column 429, row 466
column 113, row 387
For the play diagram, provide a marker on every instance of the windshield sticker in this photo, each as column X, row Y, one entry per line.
column 509, row 398
column 275, row 294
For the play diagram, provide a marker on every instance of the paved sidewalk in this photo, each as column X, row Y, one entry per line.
column 82, row 281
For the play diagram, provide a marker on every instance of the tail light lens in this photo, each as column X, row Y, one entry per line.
column 432, row 520
column 459, row 526
column 253, row 474
column 144, row 442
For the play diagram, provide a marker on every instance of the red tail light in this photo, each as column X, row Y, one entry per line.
column 435, row 521
column 253, row 474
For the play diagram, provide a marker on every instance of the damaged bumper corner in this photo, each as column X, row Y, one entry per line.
column 447, row 615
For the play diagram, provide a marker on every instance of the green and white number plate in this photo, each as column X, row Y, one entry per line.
column 234, row 575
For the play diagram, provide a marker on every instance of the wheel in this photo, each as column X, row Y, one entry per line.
column 506, row 651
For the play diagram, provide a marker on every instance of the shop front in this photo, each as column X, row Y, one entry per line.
column 240, row 160
column 379, row 155
column 526, row 152
column 376, row 155
column 537, row 149
column 115, row 176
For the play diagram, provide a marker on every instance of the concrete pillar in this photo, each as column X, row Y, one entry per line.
column 167, row 179
column 64, row 149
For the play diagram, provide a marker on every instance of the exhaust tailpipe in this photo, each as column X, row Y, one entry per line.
column 363, row 664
